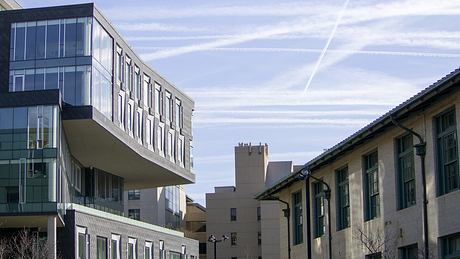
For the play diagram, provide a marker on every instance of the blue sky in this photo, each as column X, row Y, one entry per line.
column 247, row 64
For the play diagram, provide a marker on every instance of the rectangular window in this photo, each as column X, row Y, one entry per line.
column 171, row 145
column 149, row 92
column 134, row 195
column 83, row 243
column 115, row 248
column 406, row 171
column 258, row 214
column 139, row 126
column 318, row 203
column 134, row 214
column 121, row 109
column 161, row 139
column 158, row 99
column 297, row 217
column 148, row 250
column 178, row 112
column 169, row 106
column 138, row 82
column 233, row 238
column 130, row 118
column 259, row 238
column 181, row 150
column 374, row 256
column 408, row 252
column 52, row 39
column 450, row 248
column 343, row 198
column 162, row 250
column 101, row 248
column 447, row 152
column 371, row 186
column 149, row 133
column 132, row 248
column 232, row 214
column 128, row 74
column 119, row 65
column 30, row 40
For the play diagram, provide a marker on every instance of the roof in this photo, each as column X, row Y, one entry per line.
column 420, row 100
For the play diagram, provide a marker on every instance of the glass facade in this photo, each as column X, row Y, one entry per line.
column 28, row 141
column 56, row 39
column 173, row 212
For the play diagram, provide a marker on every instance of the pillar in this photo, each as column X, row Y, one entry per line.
column 51, row 234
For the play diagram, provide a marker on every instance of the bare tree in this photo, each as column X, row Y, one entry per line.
column 27, row 245
column 377, row 242
column 4, row 248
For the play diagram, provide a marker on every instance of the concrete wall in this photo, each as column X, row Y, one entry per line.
column 400, row 227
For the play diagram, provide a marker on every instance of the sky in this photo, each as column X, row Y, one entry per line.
column 297, row 75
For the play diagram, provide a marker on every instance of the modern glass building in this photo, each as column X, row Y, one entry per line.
column 82, row 119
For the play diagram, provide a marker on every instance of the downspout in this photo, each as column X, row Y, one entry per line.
column 287, row 215
column 327, row 196
column 420, row 150
column 308, row 216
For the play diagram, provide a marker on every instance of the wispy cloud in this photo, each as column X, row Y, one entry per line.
column 153, row 26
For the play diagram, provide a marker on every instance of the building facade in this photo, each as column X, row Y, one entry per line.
column 233, row 212
column 82, row 119
column 162, row 206
column 195, row 225
column 368, row 190
column 9, row 5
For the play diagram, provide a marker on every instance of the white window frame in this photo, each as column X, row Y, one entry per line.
column 149, row 132
column 181, row 150
column 117, row 238
column 149, row 244
column 157, row 101
column 132, row 241
column 161, row 139
column 169, row 109
column 130, row 124
column 139, row 126
column 121, row 109
column 171, row 145
column 84, row 231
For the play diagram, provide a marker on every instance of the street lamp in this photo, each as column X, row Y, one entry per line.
column 214, row 240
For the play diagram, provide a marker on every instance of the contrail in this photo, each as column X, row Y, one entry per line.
column 323, row 52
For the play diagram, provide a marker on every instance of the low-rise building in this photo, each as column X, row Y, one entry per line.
column 368, row 190
column 195, row 225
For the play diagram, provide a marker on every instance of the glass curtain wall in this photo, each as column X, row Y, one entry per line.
column 28, row 141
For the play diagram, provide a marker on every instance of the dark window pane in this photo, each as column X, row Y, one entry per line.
column 82, row 85
column 69, row 85
column 40, row 42
column 6, row 128
column 39, row 79
column 51, row 79
column 20, row 42
column 52, row 39
column 30, row 44
column 70, row 37
column 20, row 128
column 29, row 80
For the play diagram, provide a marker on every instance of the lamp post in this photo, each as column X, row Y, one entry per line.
column 214, row 240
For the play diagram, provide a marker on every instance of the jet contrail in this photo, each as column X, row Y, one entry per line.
column 323, row 52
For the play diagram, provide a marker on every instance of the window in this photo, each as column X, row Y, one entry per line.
column 297, row 217
column 138, row 82
column 258, row 214
column 233, row 239
column 121, row 109
column 318, row 203
column 259, row 238
column 174, row 255
column 408, row 252
column 371, row 186
column 232, row 214
column 134, row 214
column 161, row 139
column 447, row 152
column 101, row 248
column 451, row 247
column 180, row 150
column 374, row 256
column 148, row 250
column 102, row 47
column 149, row 133
column 162, row 250
column 119, row 65
column 149, row 88
column 169, row 106
column 115, row 248
column 178, row 119
column 130, row 118
column 406, row 171
column 173, row 213
column 171, row 145
column 83, row 243
column 139, row 126
column 158, row 99
column 343, row 198
column 128, row 74
column 202, row 248
column 132, row 248
column 134, row 195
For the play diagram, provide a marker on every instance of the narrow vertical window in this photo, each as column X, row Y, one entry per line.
column 101, row 248
column 447, row 152
column 121, row 110
column 171, row 145
column 132, row 248
column 297, row 218
column 161, row 139
column 115, row 248
column 450, row 248
column 148, row 250
column 158, row 98
column 406, row 171
column 232, row 214
column 178, row 113
column 139, row 125
column 130, row 118
column 371, row 186
column 318, row 204
column 128, row 75
column 343, row 198
column 168, row 106
column 119, row 65
column 258, row 214
column 233, row 238
column 83, row 243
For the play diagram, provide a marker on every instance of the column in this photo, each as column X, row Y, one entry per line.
column 51, row 232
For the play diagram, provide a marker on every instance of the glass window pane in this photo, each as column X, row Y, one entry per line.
column 69, row 85
column 52, row 39
column 39, row 83
column 20, row 128
column 82, row 85
column 101, row 248
column 20, row 41
column 30, row 40
column 6, row 128
column 51, row 78
column 29, row 80
column 40, row 40
column 70, row 42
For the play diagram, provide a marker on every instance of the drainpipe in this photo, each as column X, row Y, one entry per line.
column 420, row 150
column 308, row 215
column 327, row 195
column 287, row 215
